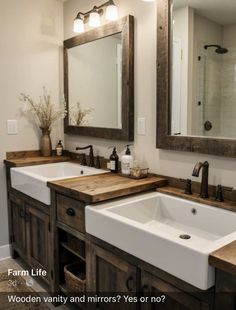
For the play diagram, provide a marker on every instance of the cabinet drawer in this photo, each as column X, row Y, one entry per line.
column 71, row 212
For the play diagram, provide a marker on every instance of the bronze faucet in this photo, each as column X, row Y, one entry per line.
column 91, row 157
column 205, row 171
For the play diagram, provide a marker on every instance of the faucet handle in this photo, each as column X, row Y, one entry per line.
column 219, row 192
column 98, row 162
column 91, row 156
column 83, row 160
column 188, row 188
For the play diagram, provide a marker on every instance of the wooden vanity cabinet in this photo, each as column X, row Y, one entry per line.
column 110, row 270
column 173, row 297
column 109, row 274
column 18, row 231
column 30, row 232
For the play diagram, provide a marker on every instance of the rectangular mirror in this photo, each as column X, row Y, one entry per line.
column 196, row 53
column 99, row 81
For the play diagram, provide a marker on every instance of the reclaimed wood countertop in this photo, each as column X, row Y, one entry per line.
column 32, row 161
column 225, row 258
column 173, row 191
column 97, row 188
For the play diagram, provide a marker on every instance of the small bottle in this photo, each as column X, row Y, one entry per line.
column 114, row 161
column 59, row 148
column 127, row 161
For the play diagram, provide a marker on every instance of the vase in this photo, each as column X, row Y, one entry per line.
column 45, row 142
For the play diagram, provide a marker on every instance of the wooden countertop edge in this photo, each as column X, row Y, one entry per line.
column 225, row 258
column 227, row 205
column 112, row 194
column 32, row 161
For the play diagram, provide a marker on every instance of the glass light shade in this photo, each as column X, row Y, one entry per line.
column 112, row 12
column 94, row 19
column 78, row 25
column 148, row 0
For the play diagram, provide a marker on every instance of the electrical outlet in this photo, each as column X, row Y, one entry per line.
column 142, row 126
column 12, row 127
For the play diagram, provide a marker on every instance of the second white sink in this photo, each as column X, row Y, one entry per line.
column 173, row 234
column 32, row 180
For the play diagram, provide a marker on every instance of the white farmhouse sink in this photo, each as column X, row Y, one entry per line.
column 149, row 226
column 32, row 180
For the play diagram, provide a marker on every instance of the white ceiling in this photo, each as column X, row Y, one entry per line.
column 221, row 11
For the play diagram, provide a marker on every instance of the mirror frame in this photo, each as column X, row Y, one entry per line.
column 204, row 145
column 125, row 26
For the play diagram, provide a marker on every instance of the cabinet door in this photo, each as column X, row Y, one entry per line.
column 171, row 297
column 108, row 274
column 18, row 225
column 38, row 239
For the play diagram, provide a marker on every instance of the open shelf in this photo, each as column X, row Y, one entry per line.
column 65, row 246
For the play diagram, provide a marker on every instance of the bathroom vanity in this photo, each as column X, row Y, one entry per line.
column 89, row 218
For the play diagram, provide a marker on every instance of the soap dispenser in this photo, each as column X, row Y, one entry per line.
column 59, row 148
column 114, row 161
column 127, row 161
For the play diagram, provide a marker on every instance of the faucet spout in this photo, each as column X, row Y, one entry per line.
column 91, row 156
column 205, row 171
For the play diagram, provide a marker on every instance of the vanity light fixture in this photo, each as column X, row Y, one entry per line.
column 112, row 12
column 93, row 16
column 78, row 24
column 94, row 19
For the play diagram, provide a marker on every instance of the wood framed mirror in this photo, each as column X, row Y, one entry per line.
column 198, row 115
column 99, row 81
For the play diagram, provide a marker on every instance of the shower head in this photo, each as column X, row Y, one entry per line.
column 219, row 49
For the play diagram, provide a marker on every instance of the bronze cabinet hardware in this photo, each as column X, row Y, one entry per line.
column 130, row 284
column 97, row 162
column 91, row 157
column 219, row 192
column 188, row 188
column 205, row 171
column 70, row 212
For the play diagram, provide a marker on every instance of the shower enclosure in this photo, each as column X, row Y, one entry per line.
column 216, row 96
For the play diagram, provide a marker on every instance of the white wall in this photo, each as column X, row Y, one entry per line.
column 31, row 39
column 178, row 164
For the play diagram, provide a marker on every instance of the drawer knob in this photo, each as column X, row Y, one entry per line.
column 130, row 284
column 70, row 212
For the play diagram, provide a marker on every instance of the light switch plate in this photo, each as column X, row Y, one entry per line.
column 12, row 127
column 142, row 126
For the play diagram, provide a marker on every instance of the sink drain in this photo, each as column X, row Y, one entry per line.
column 185, row 237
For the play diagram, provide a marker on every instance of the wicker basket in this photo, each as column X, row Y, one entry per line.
column 75, row 277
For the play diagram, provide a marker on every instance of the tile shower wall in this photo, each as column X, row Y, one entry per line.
column 228, row 82
column 207, row 90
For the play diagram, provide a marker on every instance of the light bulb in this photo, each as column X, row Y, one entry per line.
column 112, row 12
column 94, row 19
column 78, row 25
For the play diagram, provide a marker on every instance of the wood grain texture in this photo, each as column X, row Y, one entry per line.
column 225, row 258
column 22, row 154
column 102, row 187
column 204, row 145
column 173, row 191
column 125, row 26
column 35, row 160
